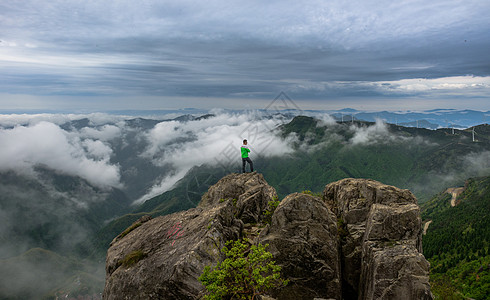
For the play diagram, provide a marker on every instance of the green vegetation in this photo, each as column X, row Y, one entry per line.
column 341, row 228
column 308, row 192
column 269, row 210
column 457, row 242
column 129, row 229
column 418, row 159
column 132, row 258
column 247, row 272
column 412, row 158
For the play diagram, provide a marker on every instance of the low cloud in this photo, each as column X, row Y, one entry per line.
column 24, row 147
column 371, row 134
column 477, row 164
column 213, row 141
column 95, row 119
column 104, row 133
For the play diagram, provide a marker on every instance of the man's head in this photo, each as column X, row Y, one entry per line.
column 244, row 142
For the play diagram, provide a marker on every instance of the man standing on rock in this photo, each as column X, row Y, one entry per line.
column 245, row 158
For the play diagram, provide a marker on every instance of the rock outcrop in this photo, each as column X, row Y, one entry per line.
column 381, row 241
column 303, row 239
column 249, row 192
column 361, row 240
column 163, row 257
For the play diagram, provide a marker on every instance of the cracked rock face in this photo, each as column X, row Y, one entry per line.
column 250, row 192
column 303, row 239
column 361, row 240
column 381, row 246
column 173, row 250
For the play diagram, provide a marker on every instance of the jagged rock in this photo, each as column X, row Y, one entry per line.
column 394, row 270
column 163, row 257
column 174, row 249
column 381, row 240
column 250, row 192
column 303, row 239
column 361, row 241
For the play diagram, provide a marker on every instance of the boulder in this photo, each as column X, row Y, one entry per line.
column 381, row 241
column 303, row 240
column 394, row 270
column 361, row 240
column 249, row 192
column 164, row 257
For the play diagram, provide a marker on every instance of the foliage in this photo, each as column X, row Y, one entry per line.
column 132, row 258
column 129, row 229
column 341, row 229
column 457, row 242
column 269, row 210
column 247, row 272
column 412, row 158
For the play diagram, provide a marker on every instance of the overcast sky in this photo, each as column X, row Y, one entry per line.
column 95, row 55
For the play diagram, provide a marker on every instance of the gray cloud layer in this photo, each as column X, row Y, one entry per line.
column 247, row 50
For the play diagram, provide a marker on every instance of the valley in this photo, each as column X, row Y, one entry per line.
column 68, row 219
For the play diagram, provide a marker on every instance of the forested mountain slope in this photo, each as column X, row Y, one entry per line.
column 457, row 242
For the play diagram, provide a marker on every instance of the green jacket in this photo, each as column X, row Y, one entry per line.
column 245, row 151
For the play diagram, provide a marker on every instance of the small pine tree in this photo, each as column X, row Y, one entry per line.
column 247, row 272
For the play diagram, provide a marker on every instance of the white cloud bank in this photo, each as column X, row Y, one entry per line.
column 455, row 83
column 214, row 141
column 371, row 134
column 24, row 147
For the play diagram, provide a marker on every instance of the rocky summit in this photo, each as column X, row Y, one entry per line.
column 360, row 240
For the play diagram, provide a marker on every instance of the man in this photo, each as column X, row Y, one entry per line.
column 245, row 158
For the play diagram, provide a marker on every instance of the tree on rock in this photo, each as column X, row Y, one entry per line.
column 247, row 272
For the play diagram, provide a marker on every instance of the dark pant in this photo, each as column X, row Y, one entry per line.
column 247, row 159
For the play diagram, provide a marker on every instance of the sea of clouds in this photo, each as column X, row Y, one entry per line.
column 89, row 152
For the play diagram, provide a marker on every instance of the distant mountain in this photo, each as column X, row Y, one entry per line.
column 457, row 241
column 443, row 118
column 418, row 159
column 74, row 217
column 420, row 124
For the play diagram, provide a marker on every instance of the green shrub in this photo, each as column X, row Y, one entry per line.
column 247, row 272
column 308, row 192
column 269, row 210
